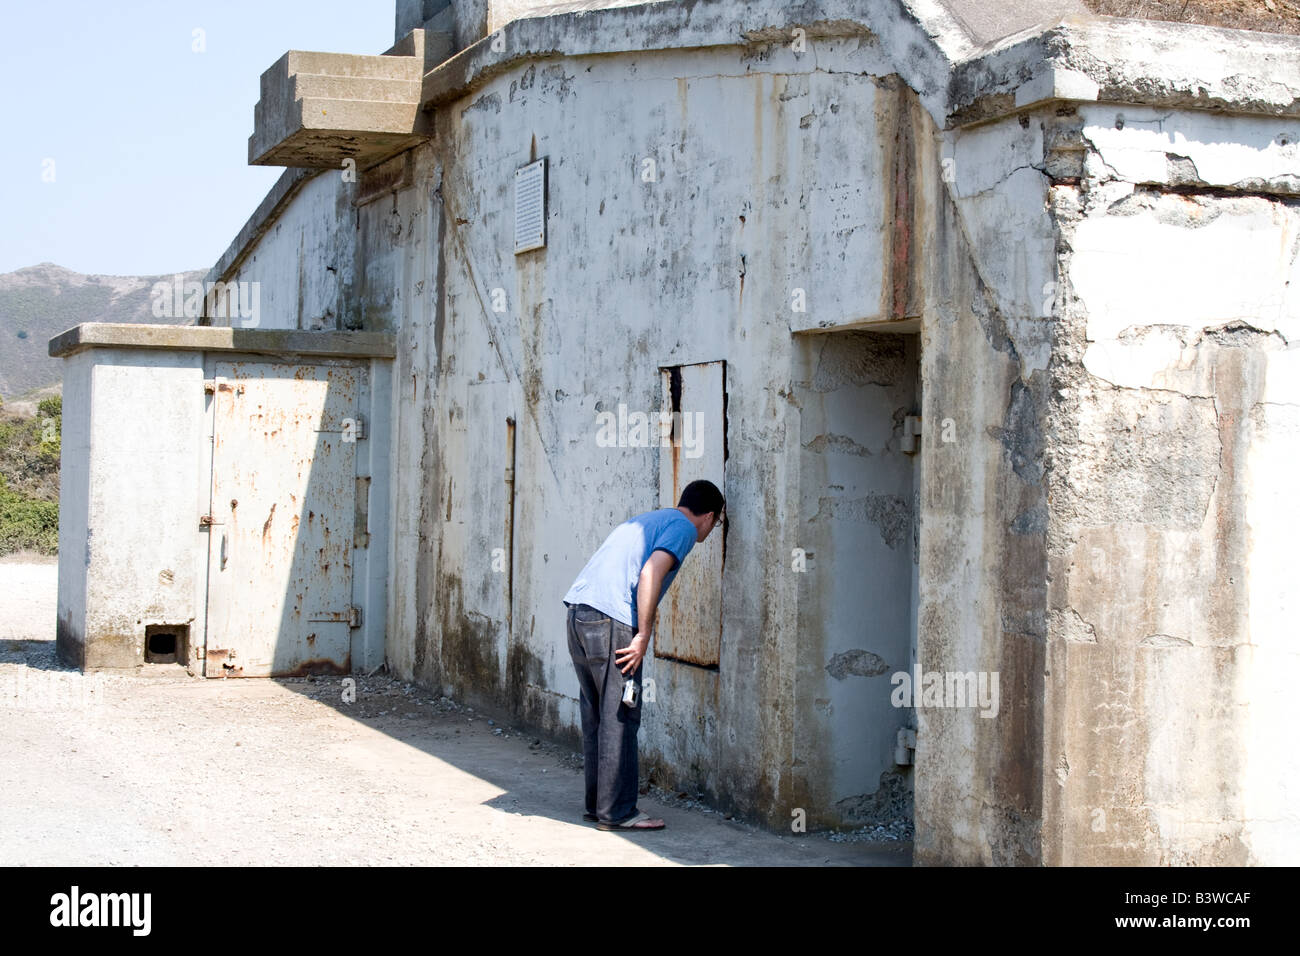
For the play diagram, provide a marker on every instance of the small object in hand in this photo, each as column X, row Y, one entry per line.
column 629, row 693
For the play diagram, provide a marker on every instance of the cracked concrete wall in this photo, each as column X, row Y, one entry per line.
column 1174, row 420
column 985, row 347
column 1135, row 270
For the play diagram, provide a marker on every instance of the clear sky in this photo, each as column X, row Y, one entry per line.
column 148, row 137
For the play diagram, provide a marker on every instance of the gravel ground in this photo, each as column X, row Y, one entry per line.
column 159, row 768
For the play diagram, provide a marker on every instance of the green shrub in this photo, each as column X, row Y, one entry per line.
column 27, row 524
column 29, row 480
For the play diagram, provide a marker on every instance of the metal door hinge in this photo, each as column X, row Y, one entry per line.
column 354, row 616
column 361, row 513
column 911, row 431
column 905, row 746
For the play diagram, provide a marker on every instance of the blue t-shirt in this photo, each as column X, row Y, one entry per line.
column 608, row 582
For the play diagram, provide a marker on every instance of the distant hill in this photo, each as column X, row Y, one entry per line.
column 39, row 302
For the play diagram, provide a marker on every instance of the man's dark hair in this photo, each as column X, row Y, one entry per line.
column 702, row 497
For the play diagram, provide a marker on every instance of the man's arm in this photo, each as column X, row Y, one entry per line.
column 648, row 587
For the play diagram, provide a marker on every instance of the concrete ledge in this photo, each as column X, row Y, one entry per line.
column 1133, row 62
column 924, row 41
column 948, row 52
column 318, row 109
column 209, row 339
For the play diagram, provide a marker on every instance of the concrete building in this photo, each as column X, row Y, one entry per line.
column 983, row 315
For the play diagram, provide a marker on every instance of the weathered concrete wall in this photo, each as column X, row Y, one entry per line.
column 337, row 255
column 413, row 14
column 373, row 461
column 1122, row 253
column 470, row 21
column 764, row 211
column 1172, row 536
column 501, row 12
column 857, row 602
column 983, row 510
column 630, row 269
column 392, row 261
column 303, row 263
column 74, row 507
column 135, row 534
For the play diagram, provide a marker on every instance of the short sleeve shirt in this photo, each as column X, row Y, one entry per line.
column 609, row 581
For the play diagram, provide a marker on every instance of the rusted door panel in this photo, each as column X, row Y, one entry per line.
column 283, row 519
column 690, row 615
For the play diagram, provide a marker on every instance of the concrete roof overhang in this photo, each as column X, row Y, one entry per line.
column 278, row 342
column 968, row 61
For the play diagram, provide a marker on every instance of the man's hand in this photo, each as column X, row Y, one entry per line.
column 629, row 658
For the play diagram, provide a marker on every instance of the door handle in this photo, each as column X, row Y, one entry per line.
column 223, row 551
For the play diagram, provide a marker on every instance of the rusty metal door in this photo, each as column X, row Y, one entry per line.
column 281, row 520
column 690, row 616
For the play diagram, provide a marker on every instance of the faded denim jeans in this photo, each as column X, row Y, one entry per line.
column 609, row 727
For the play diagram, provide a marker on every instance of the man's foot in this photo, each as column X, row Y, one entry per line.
column 591, row 818
column 637, row 821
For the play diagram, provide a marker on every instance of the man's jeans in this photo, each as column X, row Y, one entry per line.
column 609, row 726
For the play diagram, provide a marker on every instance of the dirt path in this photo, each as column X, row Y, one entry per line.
column 159, row 768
